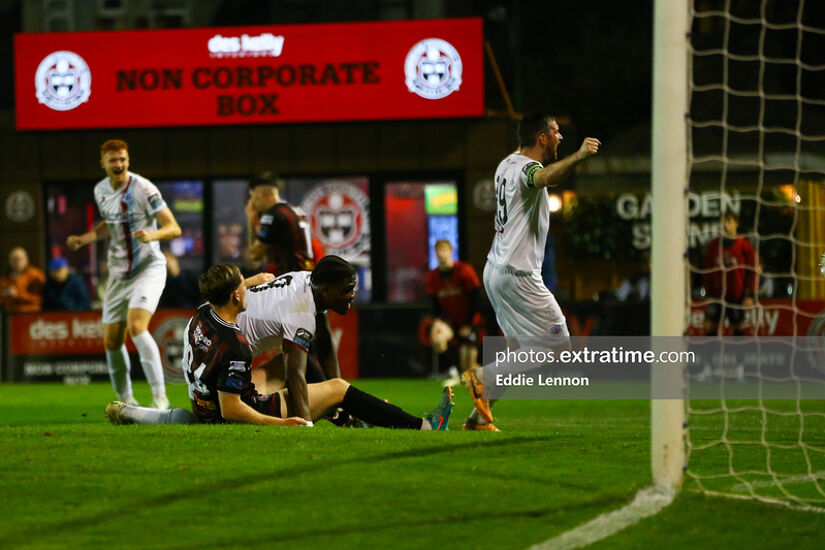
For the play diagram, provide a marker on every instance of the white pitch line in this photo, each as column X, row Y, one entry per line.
column 648, row 501
column 784, row 481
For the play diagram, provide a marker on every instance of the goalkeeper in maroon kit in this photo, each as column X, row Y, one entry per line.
column 731, row 277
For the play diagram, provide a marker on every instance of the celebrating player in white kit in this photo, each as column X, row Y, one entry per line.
column 512, row 276
column 131, row 207
column 289, row 312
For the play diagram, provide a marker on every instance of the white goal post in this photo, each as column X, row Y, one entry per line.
column 753, row 448
column 669, row 159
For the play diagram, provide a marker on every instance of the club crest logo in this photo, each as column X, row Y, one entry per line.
column 63, row 81
column 169, row 336
column 339, row 216
column 433, row 69
column 20, row 206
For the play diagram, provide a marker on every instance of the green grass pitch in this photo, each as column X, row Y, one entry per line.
column 71, row 480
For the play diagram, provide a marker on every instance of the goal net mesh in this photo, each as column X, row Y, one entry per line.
column 756, row 126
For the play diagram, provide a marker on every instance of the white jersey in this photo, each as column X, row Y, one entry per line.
column 282, row 309
column 522, row 216
column 131, row 207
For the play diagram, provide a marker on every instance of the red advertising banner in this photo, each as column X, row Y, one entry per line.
column 250, row 75
column 81, row 332
column 61, row 334
column 773, row 317
column 64, row 344
column 345, row 333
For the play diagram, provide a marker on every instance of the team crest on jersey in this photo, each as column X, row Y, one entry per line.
column 63, row 81
column 433, row 69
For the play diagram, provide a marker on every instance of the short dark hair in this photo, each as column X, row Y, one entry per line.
column 267, row 179
column 331, row 270
column 730, row 214
column 219, row 282
column 530, row 126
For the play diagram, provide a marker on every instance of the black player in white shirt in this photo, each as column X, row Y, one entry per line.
column 290, row 313
column 217, row 364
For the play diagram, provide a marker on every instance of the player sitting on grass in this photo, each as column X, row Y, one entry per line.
column 217, row 358
column 289, row 313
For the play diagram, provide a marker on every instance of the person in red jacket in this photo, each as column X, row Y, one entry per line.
column 731, row 278
column 455, row 291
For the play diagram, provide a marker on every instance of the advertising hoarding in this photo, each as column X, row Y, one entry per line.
column 250, row 75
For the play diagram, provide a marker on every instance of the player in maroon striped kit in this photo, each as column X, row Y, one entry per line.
column 277, row 230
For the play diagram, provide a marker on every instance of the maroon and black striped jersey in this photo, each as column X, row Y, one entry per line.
column 285, row 231
column 216, row 357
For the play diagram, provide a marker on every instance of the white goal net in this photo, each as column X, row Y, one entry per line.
column 756, row 135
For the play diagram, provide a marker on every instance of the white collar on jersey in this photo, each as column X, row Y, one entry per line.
column 221, row 321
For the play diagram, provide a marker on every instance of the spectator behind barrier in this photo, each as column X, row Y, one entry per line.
column 21, row 287
column 181, row 288
column 65, row 291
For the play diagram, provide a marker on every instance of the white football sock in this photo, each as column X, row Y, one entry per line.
column 145, row 415
column 475, row 417
column 150, row 361
column 119, row 365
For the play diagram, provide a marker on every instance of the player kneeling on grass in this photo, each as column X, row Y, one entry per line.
column 216, row 363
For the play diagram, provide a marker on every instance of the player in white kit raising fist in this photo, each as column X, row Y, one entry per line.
column 131, row 207
column 512, row 276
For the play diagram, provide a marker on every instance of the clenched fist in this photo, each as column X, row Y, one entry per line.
column 74, row 242
column 590, row 146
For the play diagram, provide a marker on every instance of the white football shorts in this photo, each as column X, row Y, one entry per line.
column 140, row 291
column 524, row 307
